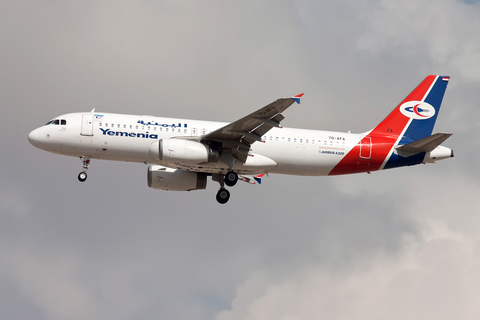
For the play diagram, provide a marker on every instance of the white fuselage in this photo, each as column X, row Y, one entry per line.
column 132, row 138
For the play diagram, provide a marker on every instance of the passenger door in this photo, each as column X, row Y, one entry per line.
column 87, row 124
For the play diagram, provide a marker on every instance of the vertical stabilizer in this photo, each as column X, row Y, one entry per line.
column 413, row 119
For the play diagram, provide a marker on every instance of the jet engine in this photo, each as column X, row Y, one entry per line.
column 183, row 151
column 163, row 178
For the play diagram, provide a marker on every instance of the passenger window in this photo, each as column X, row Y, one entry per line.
column 306, row 141
column 136, row 127
column 276, row 138
column 131, row 126
column 63, row 122
column 118, row 126
column 301, row 140
column 185, row 131
column 166, row 129
column 113, row 125
column 294, row 139
column 124, row 126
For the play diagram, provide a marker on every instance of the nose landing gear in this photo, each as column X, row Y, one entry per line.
column 82, row 176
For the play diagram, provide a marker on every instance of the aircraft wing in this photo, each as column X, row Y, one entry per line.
column 238, row 136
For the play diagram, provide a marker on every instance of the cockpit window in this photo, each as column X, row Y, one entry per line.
column 57, row 122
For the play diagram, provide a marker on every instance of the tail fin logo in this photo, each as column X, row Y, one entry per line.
column 417, row 110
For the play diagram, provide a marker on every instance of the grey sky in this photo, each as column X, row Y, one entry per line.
column 398, row 244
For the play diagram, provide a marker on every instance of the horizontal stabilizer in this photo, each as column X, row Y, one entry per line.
column 427, row 144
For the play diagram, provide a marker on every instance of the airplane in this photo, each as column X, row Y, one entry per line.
column 182, row 153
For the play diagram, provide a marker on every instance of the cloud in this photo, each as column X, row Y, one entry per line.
column 434, row 276
column 441, row 34
column 426, row 281
column 49, row 283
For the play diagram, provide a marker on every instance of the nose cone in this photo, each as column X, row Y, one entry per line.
column 34, row 137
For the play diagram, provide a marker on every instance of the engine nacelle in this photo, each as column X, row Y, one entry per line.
column 183, row 151
column 163, row 178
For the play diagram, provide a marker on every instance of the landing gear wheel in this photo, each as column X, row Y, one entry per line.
column 223, row 195
column 231, row 178
column 82, row 176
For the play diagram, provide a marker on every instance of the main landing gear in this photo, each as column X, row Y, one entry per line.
column 223, row 195
column 82, row 176
column 230, row 179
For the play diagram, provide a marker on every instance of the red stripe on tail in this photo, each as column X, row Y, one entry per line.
column 381, row 139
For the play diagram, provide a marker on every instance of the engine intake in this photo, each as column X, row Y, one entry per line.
column 163, row 178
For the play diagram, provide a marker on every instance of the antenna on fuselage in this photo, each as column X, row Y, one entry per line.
column 93, row 110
